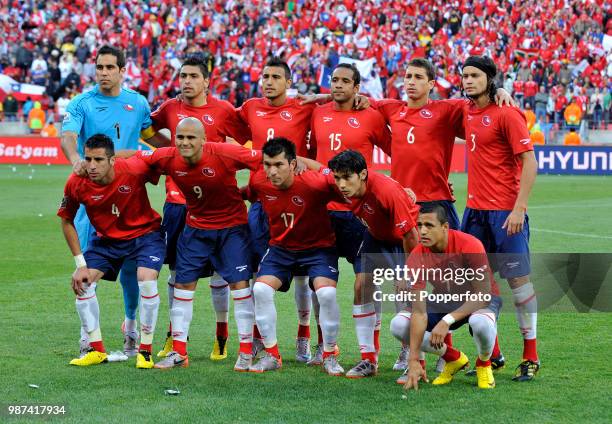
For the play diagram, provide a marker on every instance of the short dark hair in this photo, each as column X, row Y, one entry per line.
column 351, row 67
column 196, row 60
column 279, row 63
column 437, row 209
column 277, row 145
column 348, row 162
column 430, row 70
column 113, row 51
column 101, row 141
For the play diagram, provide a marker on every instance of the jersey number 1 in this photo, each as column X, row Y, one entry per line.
column 116, row 126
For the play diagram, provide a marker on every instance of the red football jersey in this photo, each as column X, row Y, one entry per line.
column 213, row 198
column 298, row 215
column 463, row 251
column 333, row 131
column 422, row 144
column 495, row 136
column 220, row 120
column 290, row 120
column 119, row 210
column 386, row 209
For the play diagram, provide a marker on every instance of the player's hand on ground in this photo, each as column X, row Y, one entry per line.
column 361, row 102
column 79, row 168
column 515, row 222
column 411, row 194
column 503, row 98
column 80, row 278
column 415, row 373
column 438, row 333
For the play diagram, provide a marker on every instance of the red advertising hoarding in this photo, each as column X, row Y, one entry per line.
column 31, row 150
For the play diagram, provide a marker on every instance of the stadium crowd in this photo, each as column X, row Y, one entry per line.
column 554, row 54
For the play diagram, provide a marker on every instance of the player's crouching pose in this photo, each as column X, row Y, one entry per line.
column 115, row 199
column 429, row 322
column 215, row 231
column 302, row 242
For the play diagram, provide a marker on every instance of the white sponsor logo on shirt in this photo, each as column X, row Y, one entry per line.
column 525, row 140
column 271, row 198
column 327, row 119
column 97, row 197
column 180, row 173
column 260, row 113
column 181, row 116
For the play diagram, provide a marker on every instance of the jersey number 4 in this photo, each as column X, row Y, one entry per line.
column 115, row 210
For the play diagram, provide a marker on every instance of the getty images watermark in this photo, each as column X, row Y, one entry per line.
column 408, row 277
column 563, row 282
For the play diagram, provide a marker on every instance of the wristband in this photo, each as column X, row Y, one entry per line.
column 79, row 261
column 448, row 318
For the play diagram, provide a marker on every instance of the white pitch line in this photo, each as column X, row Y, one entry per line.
column 567, row 233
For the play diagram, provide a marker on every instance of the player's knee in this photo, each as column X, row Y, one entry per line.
column 326, row 296
column 481, row 322
column 263, row 293
column 400, row 326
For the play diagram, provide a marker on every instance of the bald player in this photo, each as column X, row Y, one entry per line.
column 215, row 230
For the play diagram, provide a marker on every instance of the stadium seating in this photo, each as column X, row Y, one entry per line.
column 54, row 45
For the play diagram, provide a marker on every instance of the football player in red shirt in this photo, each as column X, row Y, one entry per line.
column 462, row 257
column 215, row 231
column 220, row 121
column 127, row 228
column 337, row 126
column 423, row 135
column 301, row 240
column 501, row 172
column 389, row 215
column 275, row 115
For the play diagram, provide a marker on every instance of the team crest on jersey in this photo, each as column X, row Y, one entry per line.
column 286, row 115
column 125, row 189
column 97, row 197
column 297, row 200
column 327, row 119
column 368, row 208
column 180, row 173
column 128, row 107
column 426, row 113
column 260, row 113
column 271, row 198
column 486, row 120
column 209, row 172
column 208, row 120
column 353, row 122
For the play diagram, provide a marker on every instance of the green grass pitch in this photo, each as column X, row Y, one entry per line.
column 40, row 332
